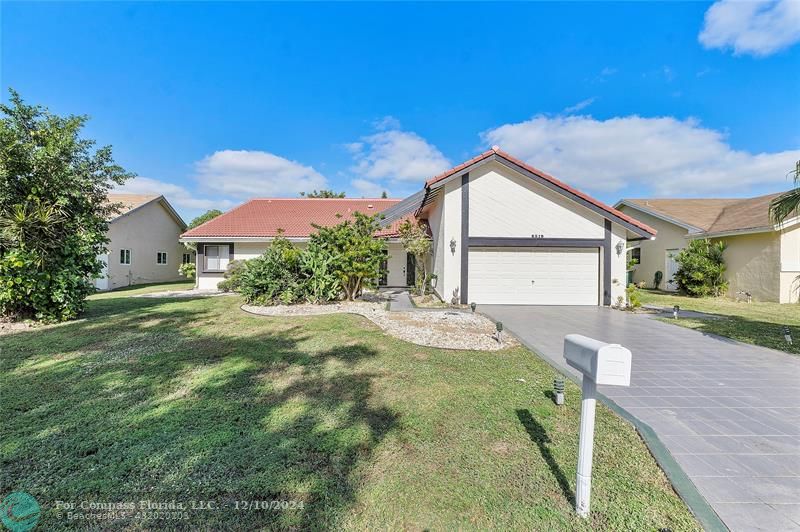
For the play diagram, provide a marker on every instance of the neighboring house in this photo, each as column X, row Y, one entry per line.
column 762, row 259
column 503, row 232
column 144, row 246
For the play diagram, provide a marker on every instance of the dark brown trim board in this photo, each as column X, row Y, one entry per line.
column 607, row 265
column 464, row 238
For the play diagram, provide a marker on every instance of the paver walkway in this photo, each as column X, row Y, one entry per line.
column 399, row 301
column 728, row 412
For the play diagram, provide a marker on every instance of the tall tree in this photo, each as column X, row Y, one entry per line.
column 203, row 218
column 415, row 240
column 53, row 211
column 787, row 204
column 324, row 193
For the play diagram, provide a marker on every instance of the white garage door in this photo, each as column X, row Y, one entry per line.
column 534, row 276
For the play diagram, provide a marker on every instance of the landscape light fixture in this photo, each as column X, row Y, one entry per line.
column 499, row 327
column 675, row 310
column 558, row 390
column 472, row 306
column 453, row 246
column 787, row 334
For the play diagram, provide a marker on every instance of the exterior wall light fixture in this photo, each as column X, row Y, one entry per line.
column 453, row 246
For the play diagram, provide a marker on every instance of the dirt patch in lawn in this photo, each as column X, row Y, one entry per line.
column 446, row 329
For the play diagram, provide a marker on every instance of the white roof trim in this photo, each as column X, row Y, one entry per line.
column 227, row 239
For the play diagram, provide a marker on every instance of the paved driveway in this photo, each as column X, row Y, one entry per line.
column 729, row 413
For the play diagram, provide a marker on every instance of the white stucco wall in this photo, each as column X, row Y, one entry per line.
column 252, row 250
column 790, row 265
column 753, row 265
column 145, row 232
column 503, row 203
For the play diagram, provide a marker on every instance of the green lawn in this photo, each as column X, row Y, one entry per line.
column 148, row 288
column 753, row 323
column 192, row 399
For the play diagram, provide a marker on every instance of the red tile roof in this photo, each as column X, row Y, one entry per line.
column 543, row 175
column 295, row 216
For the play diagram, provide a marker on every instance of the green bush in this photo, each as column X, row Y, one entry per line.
column 188, row 270
column 274, row 277
column 320, row 282
column 53, row 212
column 233, row 276
column 701, row 268
column 634, row 297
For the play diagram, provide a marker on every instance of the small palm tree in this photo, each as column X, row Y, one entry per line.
column 789, row 203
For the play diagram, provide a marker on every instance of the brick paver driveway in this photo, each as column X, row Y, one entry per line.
column 729, row 413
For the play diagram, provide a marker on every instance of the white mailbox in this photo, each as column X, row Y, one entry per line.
column 600, row 363
column 603, row 363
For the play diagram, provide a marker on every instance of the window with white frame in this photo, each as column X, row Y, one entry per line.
column 124, row 256
column 216, row 257
column 161, row 257
column 187, row 258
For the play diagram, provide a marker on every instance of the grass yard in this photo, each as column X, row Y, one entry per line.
column 752, row 323
column 139, row 289
column 192, row 399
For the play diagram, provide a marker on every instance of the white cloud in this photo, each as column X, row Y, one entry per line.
column 662, row 156
column 398, row 156
column 583, row 104
column 177, row 195
column 366, row 188
column 247, row 174
column 387, row 122
column 758, row 28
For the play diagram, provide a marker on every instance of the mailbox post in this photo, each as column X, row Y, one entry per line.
column 599, row 363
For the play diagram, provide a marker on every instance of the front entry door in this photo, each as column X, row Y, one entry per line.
column 671, row 269
column 411, row 273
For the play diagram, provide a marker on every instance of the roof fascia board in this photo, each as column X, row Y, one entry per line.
column 164, row 203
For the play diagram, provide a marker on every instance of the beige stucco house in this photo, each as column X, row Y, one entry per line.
column 503, row 232
column 144, row 246
column 762, row 259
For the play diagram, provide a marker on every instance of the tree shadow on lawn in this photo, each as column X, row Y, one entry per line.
column 539, row 436
column 188, row 414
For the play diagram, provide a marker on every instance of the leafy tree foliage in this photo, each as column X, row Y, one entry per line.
column 701, row 268
column 356, row 255
column 274, row 277
column 203, row 218
column 188, row 270
column 323, row 194
column 53, row 211
column 787, row 204
column 415, row 239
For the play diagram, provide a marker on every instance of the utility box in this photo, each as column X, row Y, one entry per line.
column 601, row 362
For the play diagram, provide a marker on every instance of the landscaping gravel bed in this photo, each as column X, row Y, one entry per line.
column 445, row 329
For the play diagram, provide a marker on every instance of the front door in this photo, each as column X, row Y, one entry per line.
column 411, row 273
column 671, row 269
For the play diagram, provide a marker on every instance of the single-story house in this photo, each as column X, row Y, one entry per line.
column 503, row 233
column 144, row 246
column 762, row 259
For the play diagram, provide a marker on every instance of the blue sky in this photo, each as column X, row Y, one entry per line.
column 211, row 103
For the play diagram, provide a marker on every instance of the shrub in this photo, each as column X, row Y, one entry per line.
column 233, row 276
column 320, row 282
column 415, row 239
column 188, row 270
column 701, row 270
column 634, row 298
column 356, row 255
column 274, row 277
column 53, row 212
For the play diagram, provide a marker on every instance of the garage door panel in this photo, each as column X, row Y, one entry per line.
column 534, row 276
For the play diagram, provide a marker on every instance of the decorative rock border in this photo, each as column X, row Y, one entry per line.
column 446, row 329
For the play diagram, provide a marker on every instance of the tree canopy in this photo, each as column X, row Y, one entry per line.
column 322, row 194
column 203, row 218
column 53, row 211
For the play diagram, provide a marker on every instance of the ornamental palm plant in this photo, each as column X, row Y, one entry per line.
column 787, row 204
